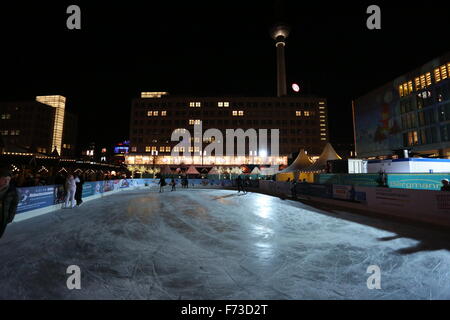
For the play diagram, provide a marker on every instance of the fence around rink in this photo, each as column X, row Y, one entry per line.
column 418, row 205
column 35, row 201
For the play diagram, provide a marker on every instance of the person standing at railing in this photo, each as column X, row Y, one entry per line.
column 79, row 190
column 71, row 188
column 9, row 199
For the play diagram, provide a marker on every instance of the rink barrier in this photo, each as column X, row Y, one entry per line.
column 37, row 201
column 427, row 206
column 418, row 181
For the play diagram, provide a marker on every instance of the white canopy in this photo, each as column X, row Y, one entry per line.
column 300, row 163
column 328, row 153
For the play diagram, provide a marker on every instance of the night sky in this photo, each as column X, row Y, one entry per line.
column 208, row 48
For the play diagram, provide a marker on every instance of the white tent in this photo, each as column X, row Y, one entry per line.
column 301, row 162
column 328, row 153
column 255, row 171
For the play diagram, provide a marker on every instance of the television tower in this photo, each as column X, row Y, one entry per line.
column 279, row 33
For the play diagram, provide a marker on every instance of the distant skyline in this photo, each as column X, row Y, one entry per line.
column 208, row 49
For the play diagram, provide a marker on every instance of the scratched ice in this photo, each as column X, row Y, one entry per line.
column 203, row 244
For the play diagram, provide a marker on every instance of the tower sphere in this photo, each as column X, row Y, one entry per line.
column 280, row 30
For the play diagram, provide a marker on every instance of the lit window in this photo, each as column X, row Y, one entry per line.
column 133, row 149
column 196, row 149
column 220, row 104
column 321, row 103
column 167, row 149
column 323, row 125
column 306, row 113
column 198, row 122
column 422, row 81
column 182, row 149
column 191, row 104
column 323, row 129
column 321, row 108
column 437, row 75
column 323, row 139
column 4, row 132
column 400, row 90
column 155, row 113
column 191, row 149
column 148, row 149
column 226, row 104
column 153, row 148
column 191, row 122
column 405, row 89
column 417, row 83
column 176, row 149
column 428, row 78
column 161, row 149
column 241, row 113
column 164, row 113
column 298, row 113
column 235, row 113
column 323, row 134
column 410, row 86
column 444, row 74
column 149, row 113
column 198, row 104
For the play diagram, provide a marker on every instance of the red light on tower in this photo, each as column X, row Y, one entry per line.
column 295, row 87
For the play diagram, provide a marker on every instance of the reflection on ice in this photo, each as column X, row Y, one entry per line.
column 264, row 206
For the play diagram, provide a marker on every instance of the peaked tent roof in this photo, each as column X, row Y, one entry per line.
column 328, row 153
column 300, row 163
column 192, row 170
column 214, row 171
column 256, row 171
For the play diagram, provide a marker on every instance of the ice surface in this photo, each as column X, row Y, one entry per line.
column 215, row 244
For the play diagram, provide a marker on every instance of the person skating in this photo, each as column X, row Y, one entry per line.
column 162, row 183
column 173, row 184
column 9, row 199
column 71, row 188
column 294, row 189
column 240, row 185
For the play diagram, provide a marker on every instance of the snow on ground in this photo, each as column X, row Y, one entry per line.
column 216, row 244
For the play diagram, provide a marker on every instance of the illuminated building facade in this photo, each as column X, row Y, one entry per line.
column 410, row 113
column 39, row 126
column 302, row 121
column 59, row 103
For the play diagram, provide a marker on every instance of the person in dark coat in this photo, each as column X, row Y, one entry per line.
column 79, row 192
column 9, row 199
column 173, row 184
column 240, row 185
column 445, row 185
column 162, row 183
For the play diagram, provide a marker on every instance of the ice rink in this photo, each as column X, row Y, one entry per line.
column 216, row 244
